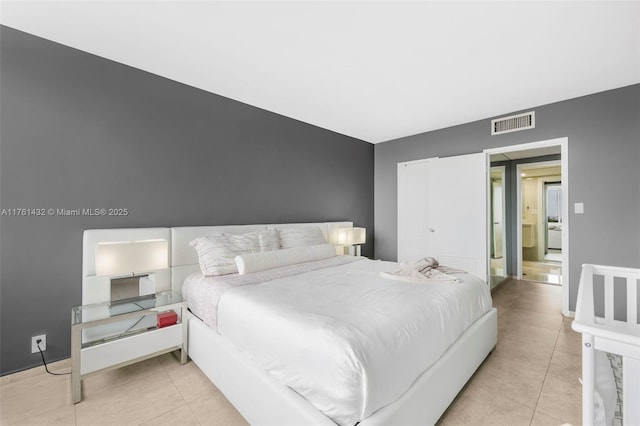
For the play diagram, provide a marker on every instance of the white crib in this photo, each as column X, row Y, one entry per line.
column 610, row 335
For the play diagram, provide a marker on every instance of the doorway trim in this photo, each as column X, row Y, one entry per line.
column 564, row 173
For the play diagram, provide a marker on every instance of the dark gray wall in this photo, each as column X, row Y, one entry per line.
column 79, row 131
column 604, row 172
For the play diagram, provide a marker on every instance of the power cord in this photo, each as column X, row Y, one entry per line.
column 45, row 362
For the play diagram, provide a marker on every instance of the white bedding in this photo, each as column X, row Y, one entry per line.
column 347, row 339
column 203, row 292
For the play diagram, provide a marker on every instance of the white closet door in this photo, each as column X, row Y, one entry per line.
column 458, row 212
column 442, row 211
column 413, row 210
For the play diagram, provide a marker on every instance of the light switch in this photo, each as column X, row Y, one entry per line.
column 579, row 208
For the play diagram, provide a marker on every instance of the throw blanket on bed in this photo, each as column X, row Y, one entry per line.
column 427, row 268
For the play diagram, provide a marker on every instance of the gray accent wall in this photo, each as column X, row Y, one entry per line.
column 603, row 131
column 79, row 131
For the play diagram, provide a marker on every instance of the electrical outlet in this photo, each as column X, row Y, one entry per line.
column 34, row 343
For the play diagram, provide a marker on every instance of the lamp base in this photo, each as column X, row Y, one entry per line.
column 354, row 250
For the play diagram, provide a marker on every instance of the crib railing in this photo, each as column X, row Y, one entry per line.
column 611, row 335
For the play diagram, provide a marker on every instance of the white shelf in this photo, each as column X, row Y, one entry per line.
column 134, row 347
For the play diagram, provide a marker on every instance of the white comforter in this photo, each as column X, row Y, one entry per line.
column 347, row 339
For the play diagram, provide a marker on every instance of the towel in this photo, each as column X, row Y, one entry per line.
column 426, row 269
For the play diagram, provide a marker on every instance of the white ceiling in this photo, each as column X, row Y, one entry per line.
column 372, row 70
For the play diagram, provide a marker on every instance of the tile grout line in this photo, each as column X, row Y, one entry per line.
column 179, row 392
column 546, row 374
column 174, row 383
column 193, row 414
column 187, row 403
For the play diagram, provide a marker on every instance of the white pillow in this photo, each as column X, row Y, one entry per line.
column 301, row 236
column 255, row 262
column 268, row 240
column 216, row 253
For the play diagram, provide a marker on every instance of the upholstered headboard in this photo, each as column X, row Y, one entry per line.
column 182, row 260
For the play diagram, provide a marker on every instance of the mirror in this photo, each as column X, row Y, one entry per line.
column 498, row 238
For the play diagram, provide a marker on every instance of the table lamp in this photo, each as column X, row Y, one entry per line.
column 132, row 259
column 352, row 238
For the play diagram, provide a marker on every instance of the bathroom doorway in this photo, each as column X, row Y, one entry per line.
column 518, row 155
column 540, row 198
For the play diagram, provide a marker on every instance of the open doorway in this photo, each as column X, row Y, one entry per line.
column 540, row 199
column 549, row 150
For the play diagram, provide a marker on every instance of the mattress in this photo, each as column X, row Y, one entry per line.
column 344, row 337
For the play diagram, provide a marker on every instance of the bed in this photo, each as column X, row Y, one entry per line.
column 609, row 340
column 263, row 398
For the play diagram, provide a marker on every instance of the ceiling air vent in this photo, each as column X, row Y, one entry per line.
column 513, row 123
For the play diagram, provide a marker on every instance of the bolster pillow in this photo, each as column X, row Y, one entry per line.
column 255, row 262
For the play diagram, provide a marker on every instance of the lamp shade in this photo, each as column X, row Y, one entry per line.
column 352, row 236
column 131, row 256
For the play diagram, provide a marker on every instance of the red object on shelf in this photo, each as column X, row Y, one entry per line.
column 165, row 319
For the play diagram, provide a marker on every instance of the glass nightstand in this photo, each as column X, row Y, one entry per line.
column 114, row 334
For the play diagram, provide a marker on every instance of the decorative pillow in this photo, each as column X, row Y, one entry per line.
column 216, row 253
column 254, row 262
column 268, row 240
column 301, row 236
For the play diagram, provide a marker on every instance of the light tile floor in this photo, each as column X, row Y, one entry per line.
column 547, row 271
column 530, row 379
